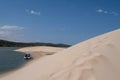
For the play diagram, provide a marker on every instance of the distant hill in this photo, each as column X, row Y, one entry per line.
column 4, row 43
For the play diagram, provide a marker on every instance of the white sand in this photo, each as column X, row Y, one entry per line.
column 39, row 51
column 94, row 59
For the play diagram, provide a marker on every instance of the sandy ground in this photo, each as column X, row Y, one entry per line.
column 39, row 51
column 94, row 59
column 36, row 53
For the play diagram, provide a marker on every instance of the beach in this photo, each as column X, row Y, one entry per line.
column 94, row 59
column 36, row 53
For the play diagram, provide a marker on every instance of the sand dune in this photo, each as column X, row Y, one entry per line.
column 95, row 59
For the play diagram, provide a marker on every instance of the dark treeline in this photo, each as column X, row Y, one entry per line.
column 4, row 43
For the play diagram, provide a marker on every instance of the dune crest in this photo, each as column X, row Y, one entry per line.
column 94, row 59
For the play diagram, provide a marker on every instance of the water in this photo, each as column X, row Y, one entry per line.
column 9, row 59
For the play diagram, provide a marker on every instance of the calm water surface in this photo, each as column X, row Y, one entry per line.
column 9, row 59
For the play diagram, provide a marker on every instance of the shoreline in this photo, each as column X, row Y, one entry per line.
column 36, row 53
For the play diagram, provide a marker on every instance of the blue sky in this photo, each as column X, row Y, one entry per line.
column 57, row 21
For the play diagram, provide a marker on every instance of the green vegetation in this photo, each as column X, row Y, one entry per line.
column 4, row 43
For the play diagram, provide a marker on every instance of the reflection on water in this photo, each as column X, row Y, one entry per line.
column 10, row 59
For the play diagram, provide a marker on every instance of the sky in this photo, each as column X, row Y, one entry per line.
column 57, row 21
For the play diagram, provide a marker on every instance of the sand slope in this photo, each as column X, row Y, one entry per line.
column 95, row 59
